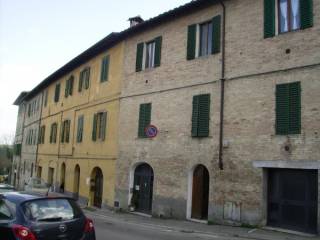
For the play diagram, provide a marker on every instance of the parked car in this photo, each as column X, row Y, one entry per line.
column 37, row 185
column 6, row 188
column 34, row 217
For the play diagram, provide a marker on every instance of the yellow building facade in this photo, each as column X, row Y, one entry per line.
column 78, row 138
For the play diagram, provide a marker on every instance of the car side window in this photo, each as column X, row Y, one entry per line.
column 5, row 213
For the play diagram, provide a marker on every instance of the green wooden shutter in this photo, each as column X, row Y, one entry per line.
column 87, row 79
column 71, row 80
column 79, row 129
column 68, row 123
column 94, row 127
column 63, row 126
column 66, row 90
column 216, row 34
column 139, row 57
column 144, row 118
column 51, row 134
column 191, row 44
column 157, row 55
column 195, row 113
column 141, row 121
column 104, row 69
column 295, row 108
column 103, row 126
column 269, row 18
column 282, row 109
column 204, row 115
column 80, row 81
column 57, row 93
column 306, row 13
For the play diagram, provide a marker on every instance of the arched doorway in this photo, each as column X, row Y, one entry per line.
column 143, row 188
column 97, row 186
column 62, row 177
column 76, row 182
column 200, row 193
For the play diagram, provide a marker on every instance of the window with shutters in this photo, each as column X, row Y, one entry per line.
column 80, row 129
column 69, row 86
column 200, row 115
column 204, row 38
column 290, row 15
column 42, row 134
column 84, row 79
column 99, row 126
column 57, row 93
column 65, row 131
column 148, row 54
column 144, row 119
column 288, row 108
column 105, row 69
column 53, row 133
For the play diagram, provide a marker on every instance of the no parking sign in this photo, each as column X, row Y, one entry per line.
column 151, row 131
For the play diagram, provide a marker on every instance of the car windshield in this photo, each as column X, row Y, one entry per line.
column 50, row 210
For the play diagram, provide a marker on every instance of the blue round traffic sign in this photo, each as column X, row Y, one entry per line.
column 151, row 131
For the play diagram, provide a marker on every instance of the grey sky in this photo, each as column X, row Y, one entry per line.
column 39, row 36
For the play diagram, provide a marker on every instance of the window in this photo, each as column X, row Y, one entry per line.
column 17, row 149
column 57, row 93
column 200, row 115
column 5, row 213
column 84, row 79
column 53, row 133
column 144, row 119
column 69, row 86
column 288, row 108
column 150, row 52
column 105, row 69
column 204, row 39
column 205, row 43
column 49, row 210
column 42, row 134
column 80, row 129
column 65, row 131
column 292, row 15
column 99, row 126
column 150, row 49
column 288, row 15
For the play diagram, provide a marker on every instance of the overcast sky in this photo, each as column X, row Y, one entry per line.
column 39, row 36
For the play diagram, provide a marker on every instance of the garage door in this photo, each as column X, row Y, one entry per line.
column 292, row 199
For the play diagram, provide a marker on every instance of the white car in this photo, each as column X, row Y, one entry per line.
column 37, row 185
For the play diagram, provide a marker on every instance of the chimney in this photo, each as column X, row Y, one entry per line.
column 135, row 21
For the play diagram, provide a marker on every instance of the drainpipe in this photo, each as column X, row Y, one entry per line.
column 222, row 81
column 37, row 150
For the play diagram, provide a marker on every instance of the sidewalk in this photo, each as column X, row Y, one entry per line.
column 194, row 227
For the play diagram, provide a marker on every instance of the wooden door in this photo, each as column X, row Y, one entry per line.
column 200, row 193
column 98, row 189
column 143, row 187
column 292, row 199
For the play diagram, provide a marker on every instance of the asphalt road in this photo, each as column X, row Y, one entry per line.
column 119, row 229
